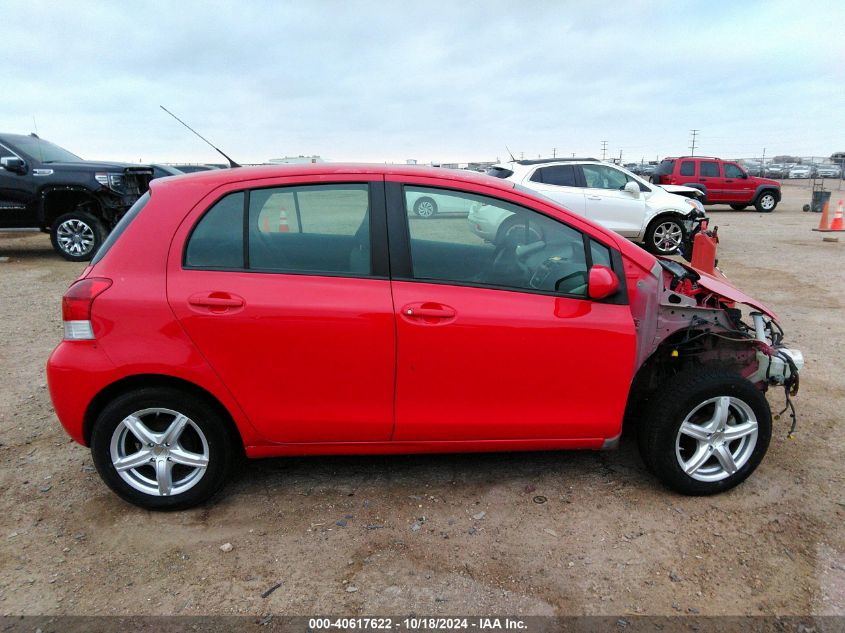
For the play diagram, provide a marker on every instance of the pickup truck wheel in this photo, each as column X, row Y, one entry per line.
column 664, row 236
column 766, row 202
column 77, row 235
column 705, row 432
column 738, row 207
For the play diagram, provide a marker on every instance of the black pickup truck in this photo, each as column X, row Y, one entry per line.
column 77, row 202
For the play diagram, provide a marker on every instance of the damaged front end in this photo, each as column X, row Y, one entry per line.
column 689, row 319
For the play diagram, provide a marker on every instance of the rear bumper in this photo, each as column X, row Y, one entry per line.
column 76, row 372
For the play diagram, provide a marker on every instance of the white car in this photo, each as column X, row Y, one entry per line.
column 429, row 205
column 829, row 171
column 801, row 171
column 607, row 194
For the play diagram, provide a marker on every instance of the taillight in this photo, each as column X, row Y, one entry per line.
column 76, row 307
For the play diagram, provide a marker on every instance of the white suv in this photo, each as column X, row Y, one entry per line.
column 607, row 194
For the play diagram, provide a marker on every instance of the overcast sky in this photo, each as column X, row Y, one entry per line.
column 445, row 82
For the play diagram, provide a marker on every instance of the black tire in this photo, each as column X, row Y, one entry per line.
column 664, row 226
column 425, row 207
column 77, row 235
column 658, row 432
column 738, row 207
column 221, row 451
column 766, row 202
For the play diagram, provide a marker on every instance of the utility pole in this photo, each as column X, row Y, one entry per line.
column 554, row 152
column 620, row 156
column 521, row 155
column 603, row 150
column 692, row 147
column 763, row 164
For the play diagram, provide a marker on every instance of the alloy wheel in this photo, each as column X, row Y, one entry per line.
column 767, row 202
column 159, row 452
column 716, row 439
column 668, row 236
column 75, row 237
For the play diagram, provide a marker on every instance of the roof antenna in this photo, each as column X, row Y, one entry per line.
column 513, row 160
column 35, row 134
column 219, row 151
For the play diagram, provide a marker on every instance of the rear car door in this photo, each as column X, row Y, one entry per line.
column 501, row 342
column 283, row 286
column 710, row 175
column 561, row 183
column 609, row 204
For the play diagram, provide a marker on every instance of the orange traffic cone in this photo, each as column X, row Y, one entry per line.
column 836, row 225
column 823, row 220
column 283, row 221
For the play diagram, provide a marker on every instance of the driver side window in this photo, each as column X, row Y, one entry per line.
column 479, row 241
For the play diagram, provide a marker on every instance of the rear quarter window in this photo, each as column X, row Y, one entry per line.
column 498, row 172
column 665, row 168
column 124, row 222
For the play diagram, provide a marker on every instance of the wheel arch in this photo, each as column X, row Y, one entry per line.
column 670, row 358
column 139, row 381
column 761, row 189
column 56, row 201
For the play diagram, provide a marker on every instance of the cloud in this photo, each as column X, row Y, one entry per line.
column 433, row 81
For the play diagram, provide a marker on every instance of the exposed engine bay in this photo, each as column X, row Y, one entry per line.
column 699, row 319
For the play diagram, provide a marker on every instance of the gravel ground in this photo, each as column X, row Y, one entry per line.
column 453, row 534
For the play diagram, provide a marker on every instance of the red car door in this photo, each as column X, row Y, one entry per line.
column 710, row 175
column 296, row 319
column 488, row 349
column 738, row 186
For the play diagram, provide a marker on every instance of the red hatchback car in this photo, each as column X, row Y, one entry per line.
column 305, row 310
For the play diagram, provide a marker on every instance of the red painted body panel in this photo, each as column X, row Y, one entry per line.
column 510, row 365
column 311, row 364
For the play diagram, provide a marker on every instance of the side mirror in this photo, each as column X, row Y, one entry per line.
column 14, row 164
column 602, row 282
column 744, row 176
column 632, row 187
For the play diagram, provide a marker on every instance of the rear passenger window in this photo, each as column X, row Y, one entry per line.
column 560, row 175
column 217, row 240
column 687, row 168
column 709, row 168
column 310, row 229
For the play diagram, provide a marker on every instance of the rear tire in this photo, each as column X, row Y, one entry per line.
column 766, row 202
column 738, row 207
column 77, row 235
column 151, row 463
column 727, row 426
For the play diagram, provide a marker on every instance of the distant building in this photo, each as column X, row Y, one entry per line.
column 410, row 161
column 296, row 160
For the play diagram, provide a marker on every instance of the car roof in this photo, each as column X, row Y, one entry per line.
column 217, row 177
column 11, row 138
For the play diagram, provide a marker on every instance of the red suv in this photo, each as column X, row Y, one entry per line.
column 721, row 182
column 304, row 310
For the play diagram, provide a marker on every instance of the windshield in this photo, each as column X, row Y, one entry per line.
column 45, row 151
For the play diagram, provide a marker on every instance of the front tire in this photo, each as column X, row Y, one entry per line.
column 664, row 236
column 162, row 449
column 766, row 202
column 77, row 235
column 706, row 432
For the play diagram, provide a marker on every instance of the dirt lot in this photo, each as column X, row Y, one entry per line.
column 608, row 540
